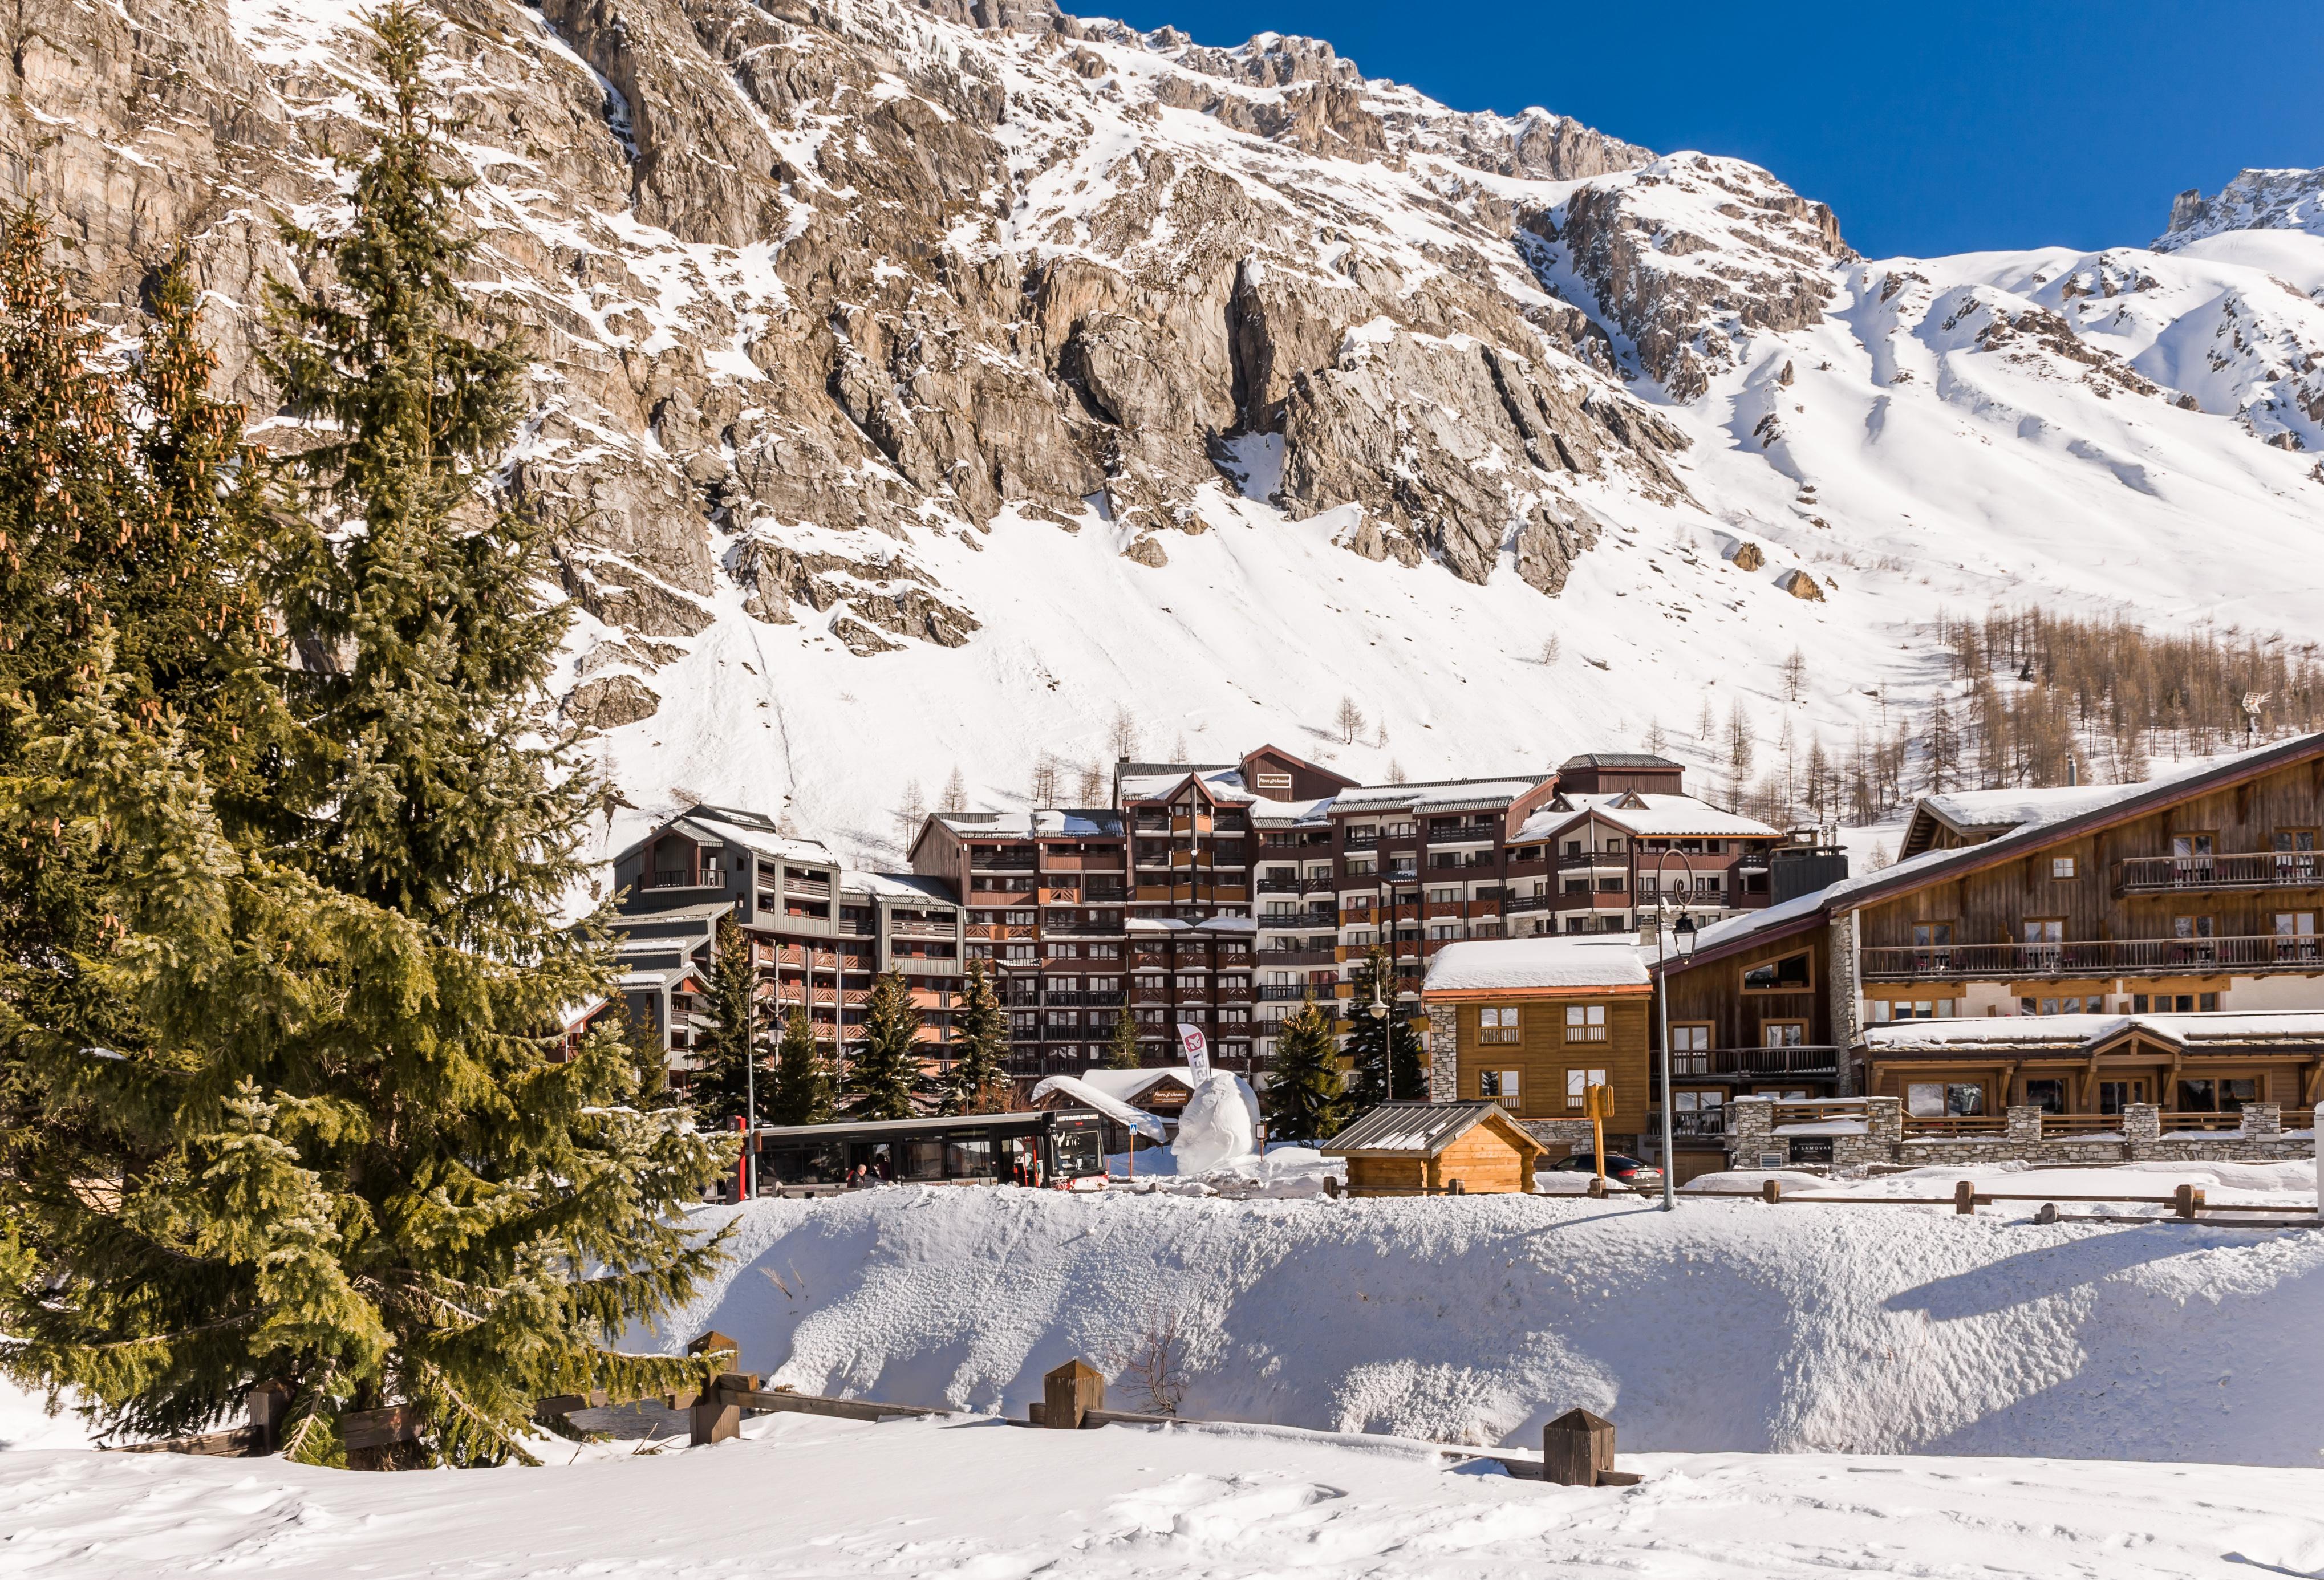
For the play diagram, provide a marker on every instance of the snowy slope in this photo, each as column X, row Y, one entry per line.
column 1726, row 1326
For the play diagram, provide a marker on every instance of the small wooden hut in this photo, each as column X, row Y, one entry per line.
column 1424, row 1149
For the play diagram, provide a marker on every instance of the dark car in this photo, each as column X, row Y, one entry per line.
column 1627, row 1170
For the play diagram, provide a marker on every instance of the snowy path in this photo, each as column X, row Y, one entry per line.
column 980, row 1501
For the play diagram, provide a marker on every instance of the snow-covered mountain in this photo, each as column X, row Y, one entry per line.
column 926, row 384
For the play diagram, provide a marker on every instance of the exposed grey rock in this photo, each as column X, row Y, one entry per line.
column 609, row 702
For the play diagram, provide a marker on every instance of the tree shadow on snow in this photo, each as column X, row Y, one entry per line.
column 2043, row 1272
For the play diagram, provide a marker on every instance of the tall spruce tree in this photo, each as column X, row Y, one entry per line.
column 978, row 1082
column 730, row 1067
column 1306, row 1099
column 344, row 1151
column 1121, row 1050
column 884, row 1077
column 1384, row 1052
column 802, row 1094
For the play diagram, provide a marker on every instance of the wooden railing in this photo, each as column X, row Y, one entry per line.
column 2067, row 1126
column 2169, row 1121
column 2091, row 958
column 2253, row 869
column 685, row 878
column 1955, row 1124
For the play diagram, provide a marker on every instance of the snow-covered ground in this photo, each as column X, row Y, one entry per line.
column 976, row 1500
column 1727, row 1326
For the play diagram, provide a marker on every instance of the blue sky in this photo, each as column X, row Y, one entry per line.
column 1931, row 129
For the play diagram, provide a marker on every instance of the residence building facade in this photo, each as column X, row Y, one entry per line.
column 2152, row 946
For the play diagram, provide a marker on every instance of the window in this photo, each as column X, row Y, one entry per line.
column 1690, row 1048
column 1444, row 896
column 1017, row 952
column 2043, row 930
column 1907, row 1009
column 2048, row 1096
column 1105, row 984
column 1964, row 1101
column 1932, row 934
column 2216, row 1097
column 1061, row 951
column 1612, row 886
column 1497, row 1083
column 1578, row 1081
column 2114, row 1095
column 2295, row 935
column 2192, row 927
column 1925, row 1099
column 1018, row 918
column 2295, row 840
column 1789, row 975
column 1585, row 1023
column 1497, row 1026
column 2061, row 867
column 1784, row 1034
column 2192, row 845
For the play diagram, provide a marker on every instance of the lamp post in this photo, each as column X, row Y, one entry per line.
column 1684, row 932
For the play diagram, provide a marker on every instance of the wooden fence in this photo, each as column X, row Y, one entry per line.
column 2187, row 1204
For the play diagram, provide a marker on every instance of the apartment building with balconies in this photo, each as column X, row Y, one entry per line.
column 2194, row 897
column 819, row 931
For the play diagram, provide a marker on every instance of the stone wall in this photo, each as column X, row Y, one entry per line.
column 1751, row 1137
column 1443, row 1054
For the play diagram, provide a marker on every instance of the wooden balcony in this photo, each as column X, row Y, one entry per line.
column 2115, row 956
column 905, row 927
column 1810, row 1058
column 684, row 878
column 2264, row 870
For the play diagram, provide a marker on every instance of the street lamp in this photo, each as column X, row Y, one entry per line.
column 1683, row 934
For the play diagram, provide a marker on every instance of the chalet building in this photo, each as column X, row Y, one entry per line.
column 1161, row 1092
column 1602, row 860
column 1431, row 1149
column 819, row 931
column 2150, row 945
column 1533, row 1022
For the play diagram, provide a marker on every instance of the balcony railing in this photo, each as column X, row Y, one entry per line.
column 1698, row 1125
column 1608, row 859
column 686, row 878
column 1956, row 1125
column 2261, row 869
column 1000, row 863
column 1360, row 840
column 2091, row 958
column 1809, row 1058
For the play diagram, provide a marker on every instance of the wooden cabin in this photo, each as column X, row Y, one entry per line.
column 1424, row 1149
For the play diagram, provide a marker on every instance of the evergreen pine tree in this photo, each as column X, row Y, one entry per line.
column 802, row 1083
column 978, row 1082
column 1305, row 1098
column 344, row 1150
column 884, row 1076
column 1122, row 1051
column 1385, row 1052
column 728, row 1055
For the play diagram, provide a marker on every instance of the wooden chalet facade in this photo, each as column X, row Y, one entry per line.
column 2189, row 904
column 1531, row 1023
column 1427, row 1149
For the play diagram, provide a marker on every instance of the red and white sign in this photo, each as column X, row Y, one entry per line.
column 1197, row 1047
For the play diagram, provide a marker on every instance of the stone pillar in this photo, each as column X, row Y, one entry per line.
column 1443, row 1054
column 1750, row 1123
column 1840, row 990
column 2141, row 1127
column 2262, row 1121
column 2024, row 1125
column 1884, row 1120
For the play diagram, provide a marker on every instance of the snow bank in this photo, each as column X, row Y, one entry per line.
column 1725, row 1326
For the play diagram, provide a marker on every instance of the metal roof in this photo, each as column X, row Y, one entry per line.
column 1620, row 759
column 1415, row 1130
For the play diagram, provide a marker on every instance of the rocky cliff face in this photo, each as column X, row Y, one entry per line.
column 853, row 318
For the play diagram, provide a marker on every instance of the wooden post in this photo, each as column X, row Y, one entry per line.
column 1576, row 1448
column 716, row 1416
column 1964, row 1197
column 1598, row 1102
column 1069, row 1392
column 711, row 1343
column 2186, row 1201
column 1771, row 1191
column 269, row 1403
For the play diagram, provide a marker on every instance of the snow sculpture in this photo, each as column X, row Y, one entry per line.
column 1218, row 1126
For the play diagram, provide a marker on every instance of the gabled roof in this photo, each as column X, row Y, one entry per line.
column 1976, row 815
column 1337, row 778
column 1423, row 1130
column 726, row 825
column 1127, row 1086
column 2092, row 1032
column 2112, row 805
column 1643, row 815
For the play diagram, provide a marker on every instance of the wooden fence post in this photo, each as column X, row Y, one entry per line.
column 1964, row 1197
column 717, row 1416
column 269, row 1402
column 2186, row 1201
column 1069, row 1392
column 1576, row 1447
column 1771, row 1191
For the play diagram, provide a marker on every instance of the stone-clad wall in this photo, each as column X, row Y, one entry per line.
column 1751, row 1136
column 1443, row 1054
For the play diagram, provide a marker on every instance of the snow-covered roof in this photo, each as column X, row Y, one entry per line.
column 729, row 825
column 1223, row 783
column 1644, row 815
column 1441, row 795
column 1928, row 864
column 1418, row 1129
column 1061, row 821
column 1081, row 1091
column 1604, row 960
column 1127, row 1086
column 2236, row 1028
column 1269, row 813
column 898, row 886
column 1209, row 924
column 1984, row 812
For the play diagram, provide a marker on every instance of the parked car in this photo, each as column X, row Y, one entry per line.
column 1629, row 1170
